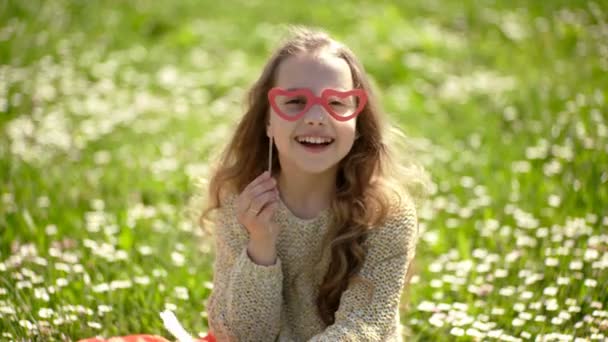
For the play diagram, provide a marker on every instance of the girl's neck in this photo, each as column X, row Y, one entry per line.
column 307, row 194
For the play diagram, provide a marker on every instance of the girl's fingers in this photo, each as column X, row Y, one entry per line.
column 262, row 188
column 260, row 201
column 264, row 176
column 248, row 194
column 258, row 190
column 267, row 212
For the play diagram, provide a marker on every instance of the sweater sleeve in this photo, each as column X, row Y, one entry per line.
column 368, row 310
column 246, row 299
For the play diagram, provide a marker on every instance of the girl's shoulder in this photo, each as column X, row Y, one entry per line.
column 401, row 206
column 224, row 207
column 228, row 198
column 401, row 223
column 227, row 225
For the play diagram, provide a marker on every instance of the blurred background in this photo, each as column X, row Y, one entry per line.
column 109, row 111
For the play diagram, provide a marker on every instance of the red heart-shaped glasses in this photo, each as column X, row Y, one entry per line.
column 292, row 104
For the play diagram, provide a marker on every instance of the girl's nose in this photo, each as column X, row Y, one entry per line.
column 316, row 114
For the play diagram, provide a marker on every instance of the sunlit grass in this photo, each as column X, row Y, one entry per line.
column 110, row 110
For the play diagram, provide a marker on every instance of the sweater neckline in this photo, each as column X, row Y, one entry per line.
column 292, row 217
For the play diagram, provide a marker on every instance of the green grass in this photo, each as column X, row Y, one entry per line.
column 109, row 111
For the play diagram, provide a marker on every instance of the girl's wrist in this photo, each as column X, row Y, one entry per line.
column 263, row 240
column 262, row 252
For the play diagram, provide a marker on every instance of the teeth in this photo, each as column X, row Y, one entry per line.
column 314, row 140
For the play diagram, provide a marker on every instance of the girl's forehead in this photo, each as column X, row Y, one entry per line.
column 316, row 72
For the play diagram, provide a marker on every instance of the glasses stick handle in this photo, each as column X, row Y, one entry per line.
column 270, row 156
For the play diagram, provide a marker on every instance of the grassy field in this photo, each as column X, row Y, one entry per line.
column 109, row 110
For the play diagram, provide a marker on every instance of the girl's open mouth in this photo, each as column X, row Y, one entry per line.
column 315, row 148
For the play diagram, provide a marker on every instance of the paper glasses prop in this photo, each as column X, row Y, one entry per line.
column 292, row 104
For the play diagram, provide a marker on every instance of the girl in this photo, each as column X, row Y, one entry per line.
column 316, row 248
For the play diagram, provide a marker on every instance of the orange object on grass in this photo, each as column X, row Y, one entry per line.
column 142, row 338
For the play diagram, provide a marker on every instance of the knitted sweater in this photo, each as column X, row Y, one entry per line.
column 252, row 302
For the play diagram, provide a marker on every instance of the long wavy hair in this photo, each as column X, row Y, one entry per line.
column 372, row 178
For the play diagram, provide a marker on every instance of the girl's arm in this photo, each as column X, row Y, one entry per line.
column 246, row 299
column 368, row 311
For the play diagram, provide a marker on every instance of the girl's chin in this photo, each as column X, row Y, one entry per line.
column 315, row 164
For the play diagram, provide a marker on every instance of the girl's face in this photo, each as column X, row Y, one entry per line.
column 315, row 72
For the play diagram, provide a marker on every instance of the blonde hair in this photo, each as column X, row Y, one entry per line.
column 372, row 180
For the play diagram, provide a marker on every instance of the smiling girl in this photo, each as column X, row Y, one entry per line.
column 316, row 223
column 318, row 246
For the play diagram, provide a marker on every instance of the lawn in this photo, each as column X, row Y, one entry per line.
column 109, row 111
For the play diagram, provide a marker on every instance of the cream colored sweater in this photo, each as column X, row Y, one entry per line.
column 252, row 302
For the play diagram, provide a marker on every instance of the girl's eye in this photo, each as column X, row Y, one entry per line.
column 336, row 103
column 295, row 101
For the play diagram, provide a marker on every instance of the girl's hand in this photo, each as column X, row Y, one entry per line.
column 256, row 206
